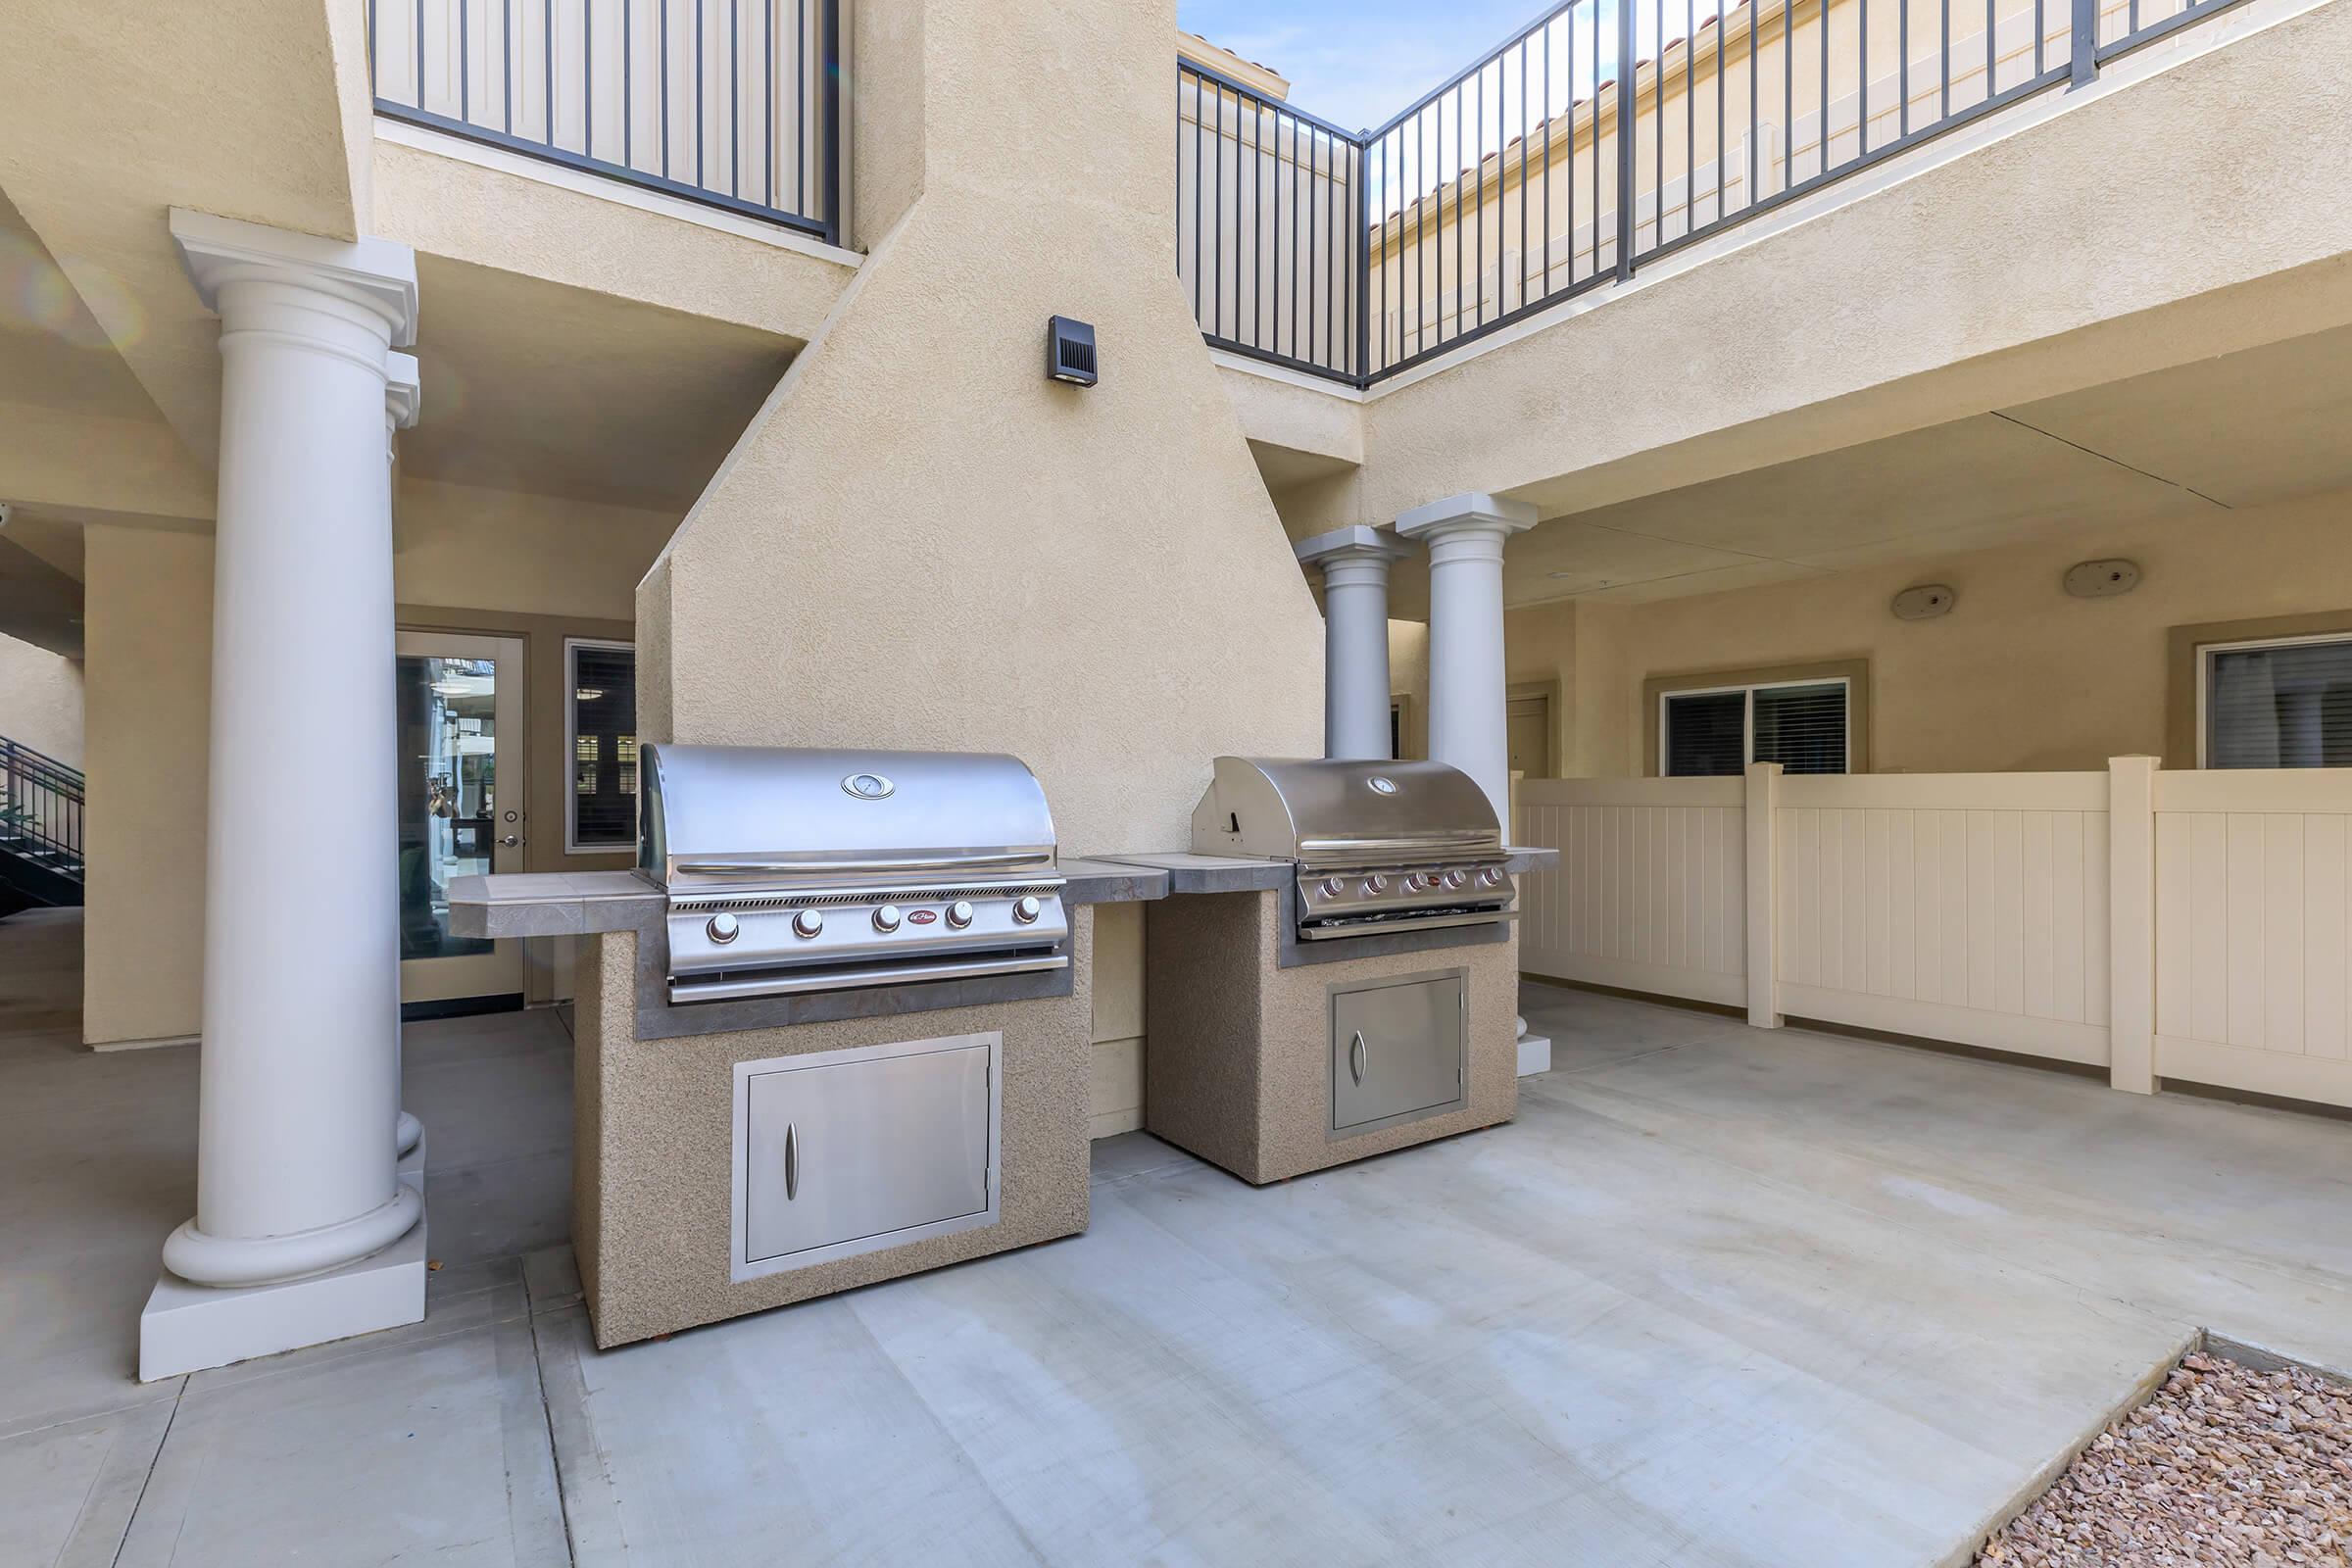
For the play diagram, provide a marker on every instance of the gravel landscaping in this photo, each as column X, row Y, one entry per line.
column 2224, row 1464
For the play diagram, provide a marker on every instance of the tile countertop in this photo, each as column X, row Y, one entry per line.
column 1190, row 872
column 555, row 904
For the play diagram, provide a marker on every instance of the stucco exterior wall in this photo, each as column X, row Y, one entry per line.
column 148, row 626
column 923, row 541
column 2018, row 675
column 40, row 700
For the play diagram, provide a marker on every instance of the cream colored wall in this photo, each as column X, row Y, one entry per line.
column 148, row 626
column 2018, row 675
column 940, row 548
column 1115, row 1087
column 534, row 555
column 40, row 700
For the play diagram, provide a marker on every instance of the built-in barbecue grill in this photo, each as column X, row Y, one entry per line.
column 1376, row 847
column 792, row 870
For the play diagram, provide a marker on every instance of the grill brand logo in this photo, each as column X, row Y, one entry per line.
column 1385, row 786
column 867, row 786
column 922, row 916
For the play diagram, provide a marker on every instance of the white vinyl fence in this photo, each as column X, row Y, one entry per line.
column 2186, row 925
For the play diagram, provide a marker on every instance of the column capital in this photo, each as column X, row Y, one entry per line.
column 1474, row 511
column 1355, row 542
column 403, row 392
column 376, row 273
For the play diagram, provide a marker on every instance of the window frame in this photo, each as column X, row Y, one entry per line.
column 1748, row 717
column 572, row 743
column 2204, row 678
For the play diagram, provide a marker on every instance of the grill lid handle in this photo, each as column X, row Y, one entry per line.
column 924, row 863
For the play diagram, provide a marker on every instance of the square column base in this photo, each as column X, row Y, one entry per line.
column 1534, row 1055
column 189, row 1328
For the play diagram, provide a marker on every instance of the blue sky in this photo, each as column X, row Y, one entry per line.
column 1357, row 62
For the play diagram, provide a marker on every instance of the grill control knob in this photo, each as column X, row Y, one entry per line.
column 723, row 928
column 1489, row 877
column 1375, row 884
column 808, row 923
column 886, row 918
column 1026, row 908
column 960, row 914
column 1331, row 887
column 1416, row 882
column 1454, row 879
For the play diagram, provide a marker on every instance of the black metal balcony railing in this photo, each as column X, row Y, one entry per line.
column 40, row 809
column 1603, row 136
column 731, row 103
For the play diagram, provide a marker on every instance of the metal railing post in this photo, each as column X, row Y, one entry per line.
column 835, row 148
column 1625, row 140
column 1362, row 274
column 2087, row 44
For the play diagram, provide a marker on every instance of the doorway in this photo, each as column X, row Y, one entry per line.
column 1526, row 720
column 460, row 794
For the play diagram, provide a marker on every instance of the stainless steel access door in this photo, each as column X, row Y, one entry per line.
column 1395, row 1050
column 849, row 1152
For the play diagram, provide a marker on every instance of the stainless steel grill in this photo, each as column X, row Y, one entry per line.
column 1375, row 846
column 794, row 870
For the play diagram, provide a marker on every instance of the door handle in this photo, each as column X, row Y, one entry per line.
column 1360, row 1056
column 792, row 1162
column 511, row 839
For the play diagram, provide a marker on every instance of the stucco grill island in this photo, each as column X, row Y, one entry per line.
column 1337, row 976
column 835, row 1027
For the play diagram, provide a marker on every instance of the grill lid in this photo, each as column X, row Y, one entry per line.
column 1338, row 813
column 743, row 815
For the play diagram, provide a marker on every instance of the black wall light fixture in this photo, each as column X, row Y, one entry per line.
column 1070, row 351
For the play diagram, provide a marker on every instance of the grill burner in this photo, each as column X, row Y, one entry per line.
column 1375, row 846
column 793, row 870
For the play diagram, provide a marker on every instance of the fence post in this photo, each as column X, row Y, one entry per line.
column 1762, row 818
column 2131, row 923
column 2087, row 44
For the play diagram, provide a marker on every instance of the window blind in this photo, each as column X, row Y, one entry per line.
column 602, row 798
column 1801, row 727
column 1705, row 734
column 2286, row 705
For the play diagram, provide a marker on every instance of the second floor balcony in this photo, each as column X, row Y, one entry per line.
column 730, row 103
column 1602, row 137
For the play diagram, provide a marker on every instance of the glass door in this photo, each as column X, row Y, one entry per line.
column 461, row 811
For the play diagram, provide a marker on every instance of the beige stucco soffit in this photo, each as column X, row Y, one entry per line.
column 373, row 271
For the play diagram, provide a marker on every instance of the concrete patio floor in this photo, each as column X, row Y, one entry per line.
column 1717, row 1297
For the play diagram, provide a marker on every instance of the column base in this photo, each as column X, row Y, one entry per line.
column 407, row 1133
column 187, row 1328
column 1534, row 1055
column 411, row 1168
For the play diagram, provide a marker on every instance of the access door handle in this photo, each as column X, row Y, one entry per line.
column 1360, row 1056
column 792, row 1162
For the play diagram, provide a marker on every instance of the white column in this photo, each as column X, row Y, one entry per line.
column 1467, row 725
column 298, row 1108
column 1355, row 562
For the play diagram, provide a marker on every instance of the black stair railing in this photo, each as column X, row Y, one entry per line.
column 41, row 810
